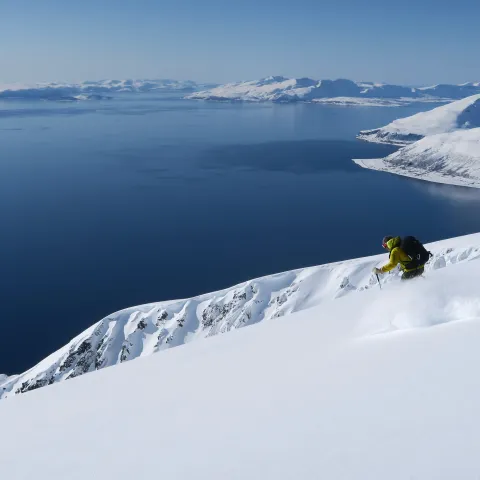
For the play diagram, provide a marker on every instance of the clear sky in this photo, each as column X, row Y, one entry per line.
column 407, row 42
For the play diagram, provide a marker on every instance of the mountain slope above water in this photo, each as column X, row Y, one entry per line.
column 442, row 145
column 375, row 385
column 147, row 329
column 451, row 158
column 463, row 113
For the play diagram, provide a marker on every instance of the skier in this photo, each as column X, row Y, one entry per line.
column 408, row 252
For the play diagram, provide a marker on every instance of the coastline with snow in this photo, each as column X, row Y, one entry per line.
column 441, row 145
column 460, row 114
column 277, row 89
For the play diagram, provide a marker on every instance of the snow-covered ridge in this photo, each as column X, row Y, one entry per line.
column 452, row 158
column 380, row 385
column 146, row 329
column 463, row 113
column 442, row 145
column 282, row 89
column 92, row 89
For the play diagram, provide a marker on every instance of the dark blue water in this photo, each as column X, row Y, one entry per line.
column 109, row 204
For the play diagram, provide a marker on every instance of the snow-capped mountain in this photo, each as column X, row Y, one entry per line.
column 271, row 88
column 376, row 385
column 452, row 158
column 282, row 89
column 147, row 329
column 442, row 145
column 463, row 113
column 92, row 89
column 275, row 88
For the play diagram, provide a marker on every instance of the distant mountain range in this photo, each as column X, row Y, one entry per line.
column 274, row 89
column 94, row 90
column 282, row 89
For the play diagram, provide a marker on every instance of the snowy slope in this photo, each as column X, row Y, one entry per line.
column 92, row 89
column 463, row 113
column 379, row 385
column 282, row 89
column 143, row 330
column 452, row 158
column 443, row 144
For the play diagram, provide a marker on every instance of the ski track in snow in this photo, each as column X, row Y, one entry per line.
column 147, row 329
column 382, row 385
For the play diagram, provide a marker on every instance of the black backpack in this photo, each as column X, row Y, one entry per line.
column 418, row 254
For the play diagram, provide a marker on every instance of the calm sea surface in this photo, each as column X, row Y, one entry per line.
column 109, row 204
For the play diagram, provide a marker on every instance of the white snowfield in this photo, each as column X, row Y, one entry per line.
column 91, row 89
column 377, row 385
column 463, row 113
column 143, row 330
column 451, row 158
column 282, row 89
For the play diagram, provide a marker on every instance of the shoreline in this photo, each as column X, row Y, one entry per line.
column 379, row 164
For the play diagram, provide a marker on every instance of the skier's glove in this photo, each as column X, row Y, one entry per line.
column 377, row 271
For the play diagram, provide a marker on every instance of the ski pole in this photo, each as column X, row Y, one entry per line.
column 378, row 279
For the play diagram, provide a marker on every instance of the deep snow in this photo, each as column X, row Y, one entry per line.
column 378, row 385
column 146, row 329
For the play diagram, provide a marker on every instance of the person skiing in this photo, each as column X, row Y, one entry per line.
column 408, row 252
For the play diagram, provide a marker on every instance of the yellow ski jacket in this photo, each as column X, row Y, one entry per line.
column 397, row 256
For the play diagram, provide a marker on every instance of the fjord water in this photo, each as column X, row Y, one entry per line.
column 108, row 204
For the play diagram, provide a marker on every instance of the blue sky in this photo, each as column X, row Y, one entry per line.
column 406, row 42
